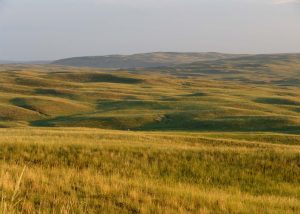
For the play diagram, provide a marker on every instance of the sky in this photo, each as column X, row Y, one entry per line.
column 54, row 29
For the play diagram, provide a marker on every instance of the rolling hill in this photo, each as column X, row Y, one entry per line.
column 279, row 69
column 253, row 93
column 156, row 59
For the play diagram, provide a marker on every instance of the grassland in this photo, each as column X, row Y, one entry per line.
column 168, row 140
column 89, row 170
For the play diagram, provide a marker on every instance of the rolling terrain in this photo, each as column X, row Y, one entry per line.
column 218, row 136
column 156, row 59
column 257, row 93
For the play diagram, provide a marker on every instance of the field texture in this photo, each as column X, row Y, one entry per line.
column 208, row 137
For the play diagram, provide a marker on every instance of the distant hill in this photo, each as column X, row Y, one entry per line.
column 6, row 62
column 253, row 60
column 146, row 60
column 283, row 69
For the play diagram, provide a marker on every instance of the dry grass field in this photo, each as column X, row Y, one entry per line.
column 71, row 170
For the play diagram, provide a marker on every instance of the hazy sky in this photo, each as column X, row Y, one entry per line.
column 53, row 29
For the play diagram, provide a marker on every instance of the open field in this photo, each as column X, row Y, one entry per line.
column 188, row 139
column 92, row 171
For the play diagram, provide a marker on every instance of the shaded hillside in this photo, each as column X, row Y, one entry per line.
column 142, row 60
column 279, row 69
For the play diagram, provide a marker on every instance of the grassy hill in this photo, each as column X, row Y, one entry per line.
column 257, row 93
column 207, row 137
column 279, row 69
column 156, row 59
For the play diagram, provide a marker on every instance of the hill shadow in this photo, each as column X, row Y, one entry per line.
column 176, row 122
column 187, row 122
column 54, row 92
column 277, row 101
column 131, row 104
column 97, row 77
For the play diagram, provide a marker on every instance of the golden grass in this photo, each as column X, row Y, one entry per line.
column 92, row 171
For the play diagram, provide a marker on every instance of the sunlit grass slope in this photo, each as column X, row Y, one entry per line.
column 96, row 171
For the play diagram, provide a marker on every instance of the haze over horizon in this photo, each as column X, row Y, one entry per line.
column 49, row 30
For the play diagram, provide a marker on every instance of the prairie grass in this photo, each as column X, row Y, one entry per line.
column 92, row 171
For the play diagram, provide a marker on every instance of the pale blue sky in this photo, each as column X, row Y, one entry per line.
column 53, row 29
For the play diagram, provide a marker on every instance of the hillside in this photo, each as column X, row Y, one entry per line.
column 258, row 93
column 207, row 137
column 279, row 69
column 157, row 59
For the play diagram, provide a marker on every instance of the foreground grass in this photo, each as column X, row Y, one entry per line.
column 93, row 171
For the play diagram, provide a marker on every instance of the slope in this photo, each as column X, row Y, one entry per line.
column 141, row 60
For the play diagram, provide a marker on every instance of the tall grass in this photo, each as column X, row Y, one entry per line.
column 92, row 171
column 9, row 204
